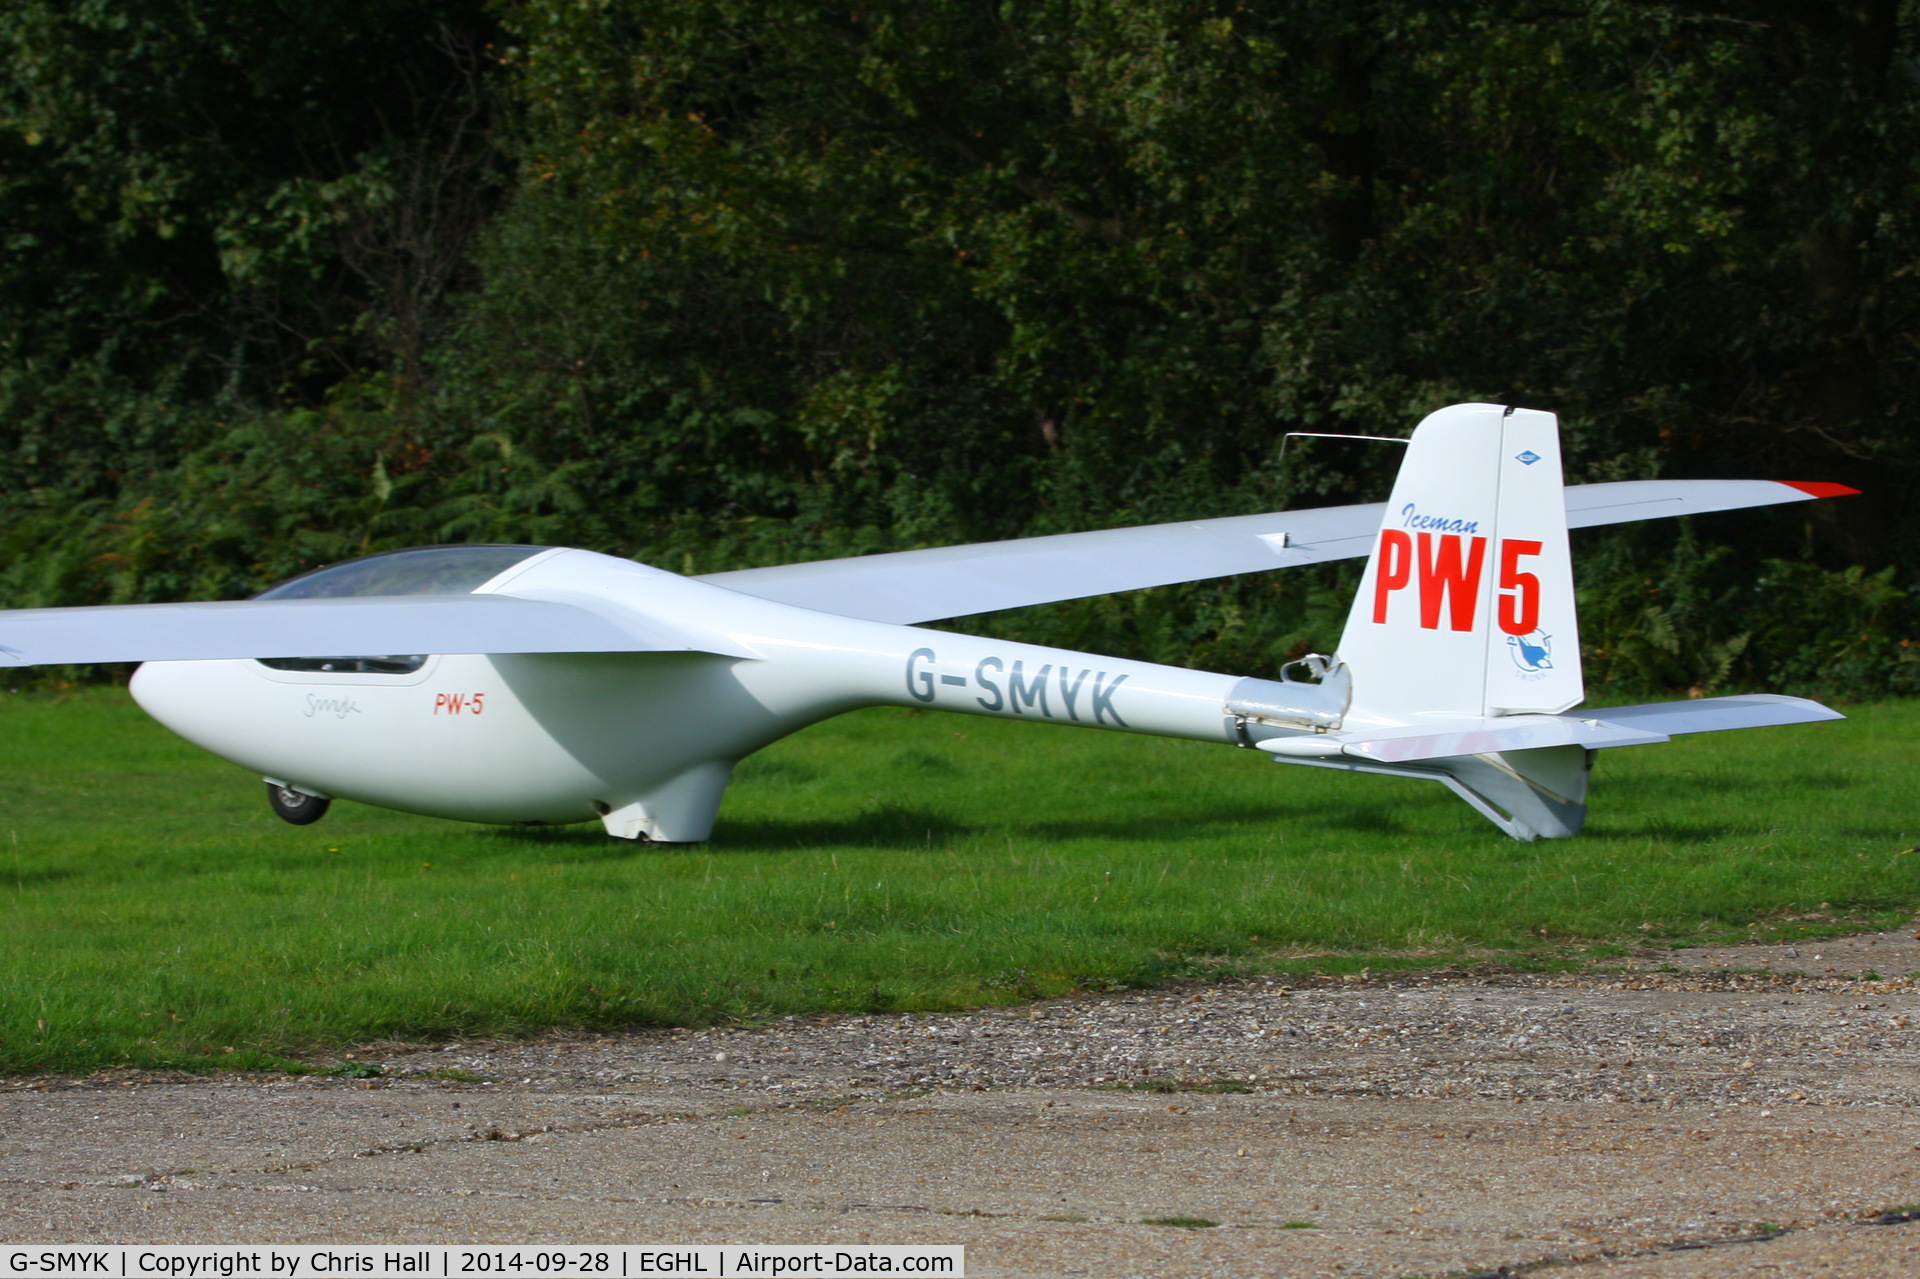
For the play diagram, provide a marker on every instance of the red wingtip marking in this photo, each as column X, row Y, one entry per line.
column 1820, row 488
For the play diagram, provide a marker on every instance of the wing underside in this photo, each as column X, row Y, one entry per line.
column 957, row 581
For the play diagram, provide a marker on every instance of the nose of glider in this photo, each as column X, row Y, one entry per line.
column 156, row 689
column 137, row 685
column 188, row 698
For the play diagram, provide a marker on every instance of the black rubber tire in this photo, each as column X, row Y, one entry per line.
column 294, row 807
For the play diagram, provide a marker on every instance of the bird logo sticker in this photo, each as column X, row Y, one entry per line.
column 1532, row 652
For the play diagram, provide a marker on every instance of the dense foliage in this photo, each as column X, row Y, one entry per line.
column 714, row 282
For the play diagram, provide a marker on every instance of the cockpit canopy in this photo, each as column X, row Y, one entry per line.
column 425, row 570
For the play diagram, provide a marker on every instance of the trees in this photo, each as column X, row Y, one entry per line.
column 189, row 198
column 779, row 279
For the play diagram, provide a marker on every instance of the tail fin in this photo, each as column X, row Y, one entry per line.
column 1466, row 607
column 1462, row 648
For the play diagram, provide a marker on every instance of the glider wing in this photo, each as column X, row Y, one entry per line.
column 331, row 628
column 957, row 581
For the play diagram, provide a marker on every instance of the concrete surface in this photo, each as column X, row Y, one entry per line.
column 1736, row 1112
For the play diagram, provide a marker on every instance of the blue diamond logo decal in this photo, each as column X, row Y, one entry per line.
column 1529, row 457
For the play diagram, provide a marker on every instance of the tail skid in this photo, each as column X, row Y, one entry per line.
column 1461, row 654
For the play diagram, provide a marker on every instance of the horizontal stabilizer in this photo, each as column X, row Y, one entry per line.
column 1712, row 714
column 348, row 626
column 1594, row 730
column 958, row 581
column 1447, row 740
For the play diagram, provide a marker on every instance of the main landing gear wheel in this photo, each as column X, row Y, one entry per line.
column 296, row 807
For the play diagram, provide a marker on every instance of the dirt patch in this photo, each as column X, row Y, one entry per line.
column 1695, row 1112
column 1895, row 952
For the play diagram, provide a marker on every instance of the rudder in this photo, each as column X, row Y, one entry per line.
column 1466, row 606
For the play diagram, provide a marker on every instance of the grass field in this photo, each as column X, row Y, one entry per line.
column 158, row 914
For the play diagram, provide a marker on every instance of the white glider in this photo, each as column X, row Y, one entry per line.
column 550, row 685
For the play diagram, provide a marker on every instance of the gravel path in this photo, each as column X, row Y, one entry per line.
column 1726, row 1112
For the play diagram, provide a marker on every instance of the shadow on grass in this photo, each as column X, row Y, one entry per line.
column 1615, row 828
column 580, row 835
column 887, row 827
column 1826, row 781
column 1684, row 784
column 890, row 826
column 1623, row 830
column 762, row 770
column 901, row 827
column 22, row 879
column 1361, row 819
column 1173, row 823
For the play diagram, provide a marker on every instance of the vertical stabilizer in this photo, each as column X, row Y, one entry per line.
column 1466, row 606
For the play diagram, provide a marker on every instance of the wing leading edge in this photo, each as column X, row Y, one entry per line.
column 957, row 581
column 332, row 628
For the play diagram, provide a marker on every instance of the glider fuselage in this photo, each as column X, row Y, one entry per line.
column 644, row 741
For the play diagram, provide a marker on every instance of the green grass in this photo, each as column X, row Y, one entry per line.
column 158, row 914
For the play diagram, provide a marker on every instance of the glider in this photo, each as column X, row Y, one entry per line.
column 522, row 684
